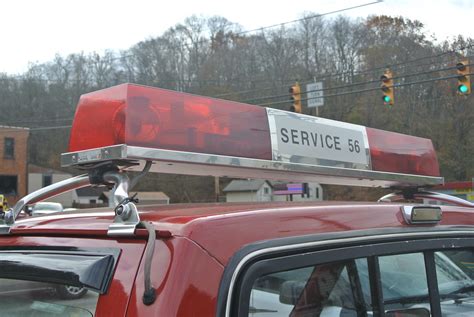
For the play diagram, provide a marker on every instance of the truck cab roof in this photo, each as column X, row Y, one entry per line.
column 240, row 224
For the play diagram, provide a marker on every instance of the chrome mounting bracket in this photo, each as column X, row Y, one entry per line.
column 126, row 217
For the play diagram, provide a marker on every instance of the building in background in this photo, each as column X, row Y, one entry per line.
column 13, row 162
column 283, row 191
column 262, row 190
column 248, row 190
column 152, row 198
column 39, row 177
column 90, row 197
column 144, row 198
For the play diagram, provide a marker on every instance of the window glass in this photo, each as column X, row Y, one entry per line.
column 27, row 298
column 403, row 276
column 47, row 180
column 344, row 288
column 455, row 272
column 463, row 259
column 322, row 290
column 9, row 148
column 8, row 185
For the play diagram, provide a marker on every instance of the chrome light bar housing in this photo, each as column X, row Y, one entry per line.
column 133, row 158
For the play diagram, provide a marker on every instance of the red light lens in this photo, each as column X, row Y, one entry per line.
column 164, row 119
column 400, row 153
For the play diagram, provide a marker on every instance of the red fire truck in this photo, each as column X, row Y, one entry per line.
column 390, row 258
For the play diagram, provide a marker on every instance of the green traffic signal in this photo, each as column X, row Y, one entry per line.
column 464, row 77
column 463, row 89
column 387, row 87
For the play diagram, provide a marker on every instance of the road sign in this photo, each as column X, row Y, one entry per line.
column 315, row 94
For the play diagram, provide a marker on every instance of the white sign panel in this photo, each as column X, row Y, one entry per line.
column 315, row 94
column 317, row 138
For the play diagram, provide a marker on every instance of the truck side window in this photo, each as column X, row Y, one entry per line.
column 403, row 276
column 321, row 290
column 455, row 272
column 400, row 285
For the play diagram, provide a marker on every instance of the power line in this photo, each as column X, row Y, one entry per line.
column 275, row 25
column 370, row 89
column 396, row 77
column 357, row 84
column 252, row 30
column 258, row 29
column 285, row 95
column 310, row 17
column 362, row 72
column 40, row 120
column 322, row 77
column 323, row 89
column 272, row 103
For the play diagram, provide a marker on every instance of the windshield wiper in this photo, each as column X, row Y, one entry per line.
column 409, row 299
column 254, row 310
column 456, row 295
column 462, row 290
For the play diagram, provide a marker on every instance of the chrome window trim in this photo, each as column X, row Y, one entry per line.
column 373, row 238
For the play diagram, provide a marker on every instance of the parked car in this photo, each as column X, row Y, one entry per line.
column 43, row 208
column 3, row 203
column 61, row 291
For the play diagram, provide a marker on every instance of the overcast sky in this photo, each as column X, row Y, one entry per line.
column 36, row 30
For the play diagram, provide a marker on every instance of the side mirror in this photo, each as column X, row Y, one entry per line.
column 408, row 312
column 29, row 210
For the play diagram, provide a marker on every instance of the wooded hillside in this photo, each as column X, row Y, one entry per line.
column 215, row 57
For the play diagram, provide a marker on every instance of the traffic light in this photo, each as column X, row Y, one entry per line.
column 295, row 92
column 387, row 87
column 464, row 79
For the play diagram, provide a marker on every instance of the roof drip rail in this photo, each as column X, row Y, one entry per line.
column 410, row 195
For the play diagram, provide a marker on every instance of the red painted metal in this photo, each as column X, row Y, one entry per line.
column 238, row 224
column 196, row 241
column 186, row 279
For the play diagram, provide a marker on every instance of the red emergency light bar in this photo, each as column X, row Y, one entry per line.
column 170, row 126
column 165, row 119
